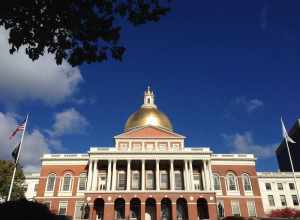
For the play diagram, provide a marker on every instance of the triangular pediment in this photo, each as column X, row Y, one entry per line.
column 149, row 132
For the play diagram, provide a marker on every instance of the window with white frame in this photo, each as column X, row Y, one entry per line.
column 79, row 210
column 121, row 180
column 102, row 181
column 149, row 179
column 216, row 179
column 50, row 182
column 197, row 181
column 62, row 208
column 235, row 208
column 283, row 200
column 82, row 182
column 279, row 186
column 292, row 186
column 246, row 182
column 251, row 208
column 67, row 182
column 295, row 200
column 271, row 200
column 231, row 182
column 164, row 179
column 163, row 146
column 178, row 180
column 268, row 186
column 135, row 179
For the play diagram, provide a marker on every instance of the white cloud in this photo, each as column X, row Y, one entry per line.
column 250, row 105
column 34, row 145
column 68, row 122
column 244, row 143
column 42, row 80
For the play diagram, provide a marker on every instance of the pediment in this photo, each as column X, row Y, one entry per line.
column 149, row 132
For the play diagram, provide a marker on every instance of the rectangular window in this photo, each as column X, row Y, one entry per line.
column 79, row 208
column 36, row 187
column 67, row 183
column 82, row 183
column 295, row 200
column 62, row 208
column 50, row 183
column 268, row 186
column 197, row 181
column 221, row 209
column 135, row 180
column 279, row 186
column 292, row 186
column 164, row 180
column 121, row 180
column 271, row 200
column 178, row 180
column 235, row 207
column 217, row 185
column 251, row 208
column 149, row 180
column 283, row 200
column 102, row 181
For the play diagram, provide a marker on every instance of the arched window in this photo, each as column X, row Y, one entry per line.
column 231, row 182
column 66, row 184
column 216, row 179
column 82, row 182
column 246, row 182
column 50, row 182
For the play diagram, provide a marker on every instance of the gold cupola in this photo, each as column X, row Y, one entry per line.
column 148, row 114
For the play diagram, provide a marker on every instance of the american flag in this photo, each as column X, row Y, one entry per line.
column 20, row 127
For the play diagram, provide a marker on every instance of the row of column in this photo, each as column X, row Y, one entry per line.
column 188, row 178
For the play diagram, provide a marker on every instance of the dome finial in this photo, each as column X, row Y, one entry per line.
column 149, row 99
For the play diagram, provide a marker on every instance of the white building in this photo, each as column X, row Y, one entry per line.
column 278, row 190
column 31, row 184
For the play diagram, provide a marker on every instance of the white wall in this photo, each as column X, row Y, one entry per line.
column 31, row 179
column 273, row 178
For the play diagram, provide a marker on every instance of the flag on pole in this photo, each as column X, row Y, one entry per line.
column 20, row 127
column 15, row 152
column 285, row 134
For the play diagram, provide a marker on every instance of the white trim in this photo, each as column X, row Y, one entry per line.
column 46, row 188
column 238, row 202
column 86, row 178
column 62, row 180
column 254, row 207
column 76, row 202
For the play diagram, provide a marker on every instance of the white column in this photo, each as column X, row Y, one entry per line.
column 143, row 175
column 94, row 184
column 192, row 175
column 203, row 178
column 206, row 175
column 157, row 179
column 210, row 175
column 90, row 175
column 108, row 182
column 172, row 184
column 114, row 174
column 185, row 176
column 128, row 175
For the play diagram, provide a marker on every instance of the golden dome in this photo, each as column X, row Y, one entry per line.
column 148, row 114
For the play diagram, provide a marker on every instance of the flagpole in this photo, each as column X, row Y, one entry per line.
column 16, row 163
column 292, row 166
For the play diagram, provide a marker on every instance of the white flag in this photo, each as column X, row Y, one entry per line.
column 285, row 134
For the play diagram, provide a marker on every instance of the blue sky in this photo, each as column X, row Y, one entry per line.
column 223, row 71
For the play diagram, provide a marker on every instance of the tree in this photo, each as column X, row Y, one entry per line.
column 79, row 31
column 24, row 210
column 6, row 171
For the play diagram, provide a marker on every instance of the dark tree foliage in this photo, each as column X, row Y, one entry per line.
column 25, row 210
column 80, row 31
column 6, row 171
column 285, row 213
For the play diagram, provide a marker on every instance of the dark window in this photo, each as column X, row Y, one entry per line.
column 292, row 186
column 295, row 200
column 279, row 186
column 268, row 186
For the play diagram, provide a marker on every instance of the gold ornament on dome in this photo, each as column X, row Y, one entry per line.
column 148, row 114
